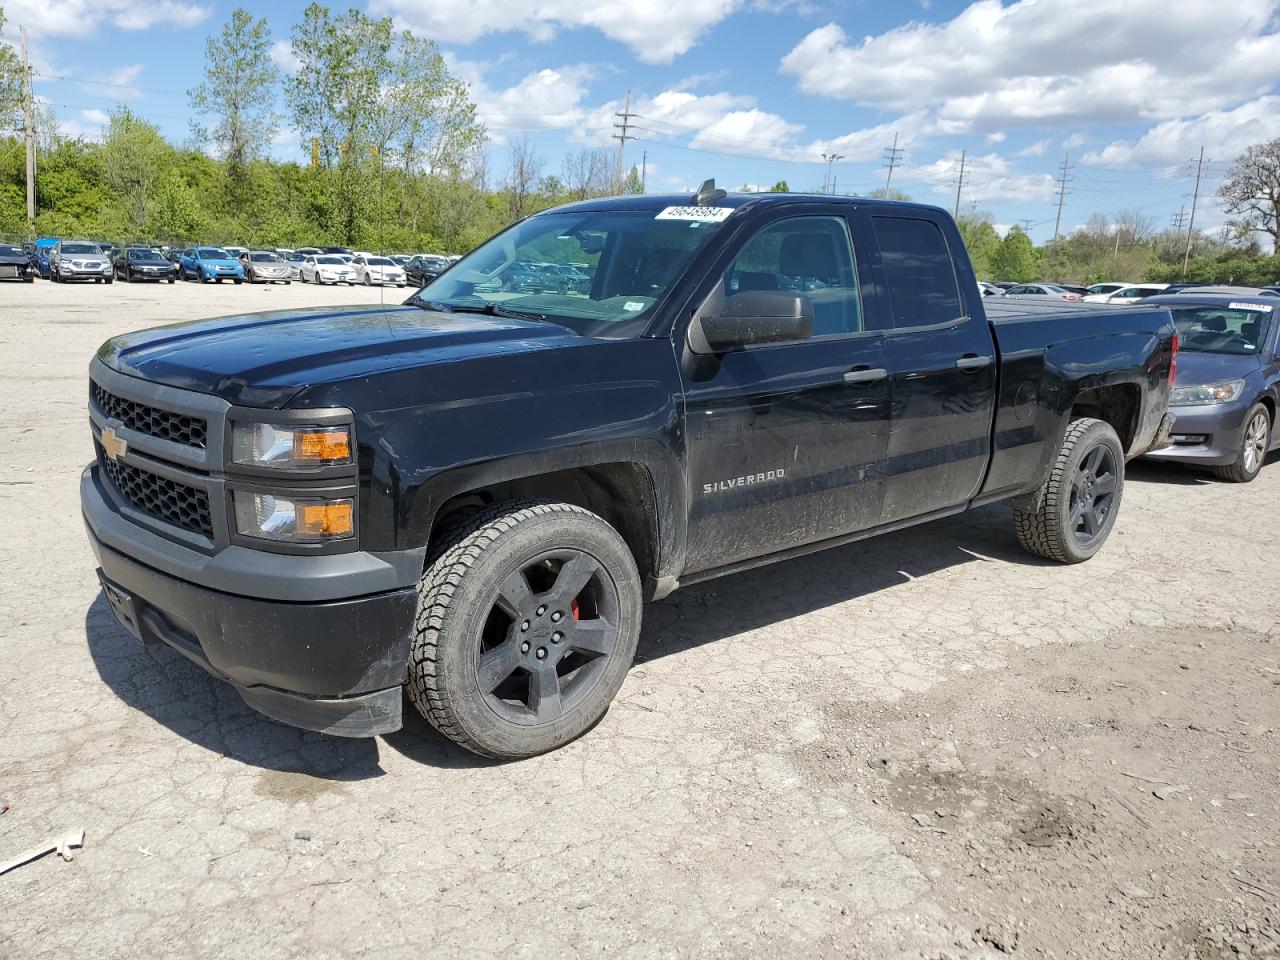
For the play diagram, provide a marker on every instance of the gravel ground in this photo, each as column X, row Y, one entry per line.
column 926, row 745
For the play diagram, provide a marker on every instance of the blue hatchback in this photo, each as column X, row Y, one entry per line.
column 209, row 265
column 1227, row 389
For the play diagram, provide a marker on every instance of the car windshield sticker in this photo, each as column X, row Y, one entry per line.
column 1264, row 307
column 633, row 305
column 699, row 214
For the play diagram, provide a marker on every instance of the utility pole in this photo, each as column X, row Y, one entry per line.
column 960, row 183
column 1179, row 219
column 30, row 129
column 1027, row 224
column 1063, row 180
column 1191, row 226
column 831, row 158
column 644, row 170
column 622, row 138
column 891, row 156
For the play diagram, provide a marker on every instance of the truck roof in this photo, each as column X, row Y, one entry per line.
column 655, row 202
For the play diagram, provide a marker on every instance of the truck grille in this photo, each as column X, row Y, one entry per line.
column 162, row 498
column 177, row 427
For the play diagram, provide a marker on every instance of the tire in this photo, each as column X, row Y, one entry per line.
column 1070, row 516
column 109, row 280
column 367, row 282
column 238, row 281
column 171, row 279
column 476, row 592
column 1255, row 441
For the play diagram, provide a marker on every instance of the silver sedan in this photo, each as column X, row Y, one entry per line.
column 263, row 266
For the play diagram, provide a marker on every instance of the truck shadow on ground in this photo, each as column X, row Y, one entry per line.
column 174, row 692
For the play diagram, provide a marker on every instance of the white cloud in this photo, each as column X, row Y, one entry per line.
column 1035, row 62
column 115, row 84
column 1073, row 142
column 282, row 56
column 82, row 18
column 987, row 179
column 1226, row 134
column 997, row 136
column 98, row 117
column 657, row 31
column 1036, row 149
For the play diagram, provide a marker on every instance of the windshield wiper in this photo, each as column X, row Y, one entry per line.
column 489, row 310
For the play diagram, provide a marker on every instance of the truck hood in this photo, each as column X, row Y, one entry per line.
column 1198, row 369
column 264, row 359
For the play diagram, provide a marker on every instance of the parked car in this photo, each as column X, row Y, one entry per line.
column 309, row 251
column 1227, row 389
column 327, row 268
column 236, row 252
column 209, row 265
column 424, row 268
column 1128, row 294
column 1003, row 284
column 1106, row 289
column 990, row 289
column 1074, row 288
column 263, row 266
column 294, row 261
column 479, row 491
column 1049, row 291
column 143, row 263
column 71, row 260
column 380, row 270
column 346, row 251
column 16, row 264
column 110, row 249
column 40, row 251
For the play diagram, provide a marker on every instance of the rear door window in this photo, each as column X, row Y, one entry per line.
column 919, row 274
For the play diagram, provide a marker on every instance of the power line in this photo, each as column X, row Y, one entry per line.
column 960, row 183
column 892, row 156
column 828, row 185
column 1179, row 219
column 1195, row 198
column 28, row 126
column 1065, row 167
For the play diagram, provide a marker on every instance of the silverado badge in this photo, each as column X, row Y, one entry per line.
column 115, row 446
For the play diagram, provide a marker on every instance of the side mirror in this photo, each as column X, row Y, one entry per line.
column 750, row 318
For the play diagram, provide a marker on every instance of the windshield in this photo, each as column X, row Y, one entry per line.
column 630, row 259
column 1236, row 330
column 82, row 248
column 265, row 258
column 378, row 262
column 139, row 253
column 332, row 261
column 8, row 251
column 212, row 253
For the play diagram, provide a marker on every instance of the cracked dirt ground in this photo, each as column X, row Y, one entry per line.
column 924, row 745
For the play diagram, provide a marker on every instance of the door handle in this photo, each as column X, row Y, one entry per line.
column 971, row 362
column 865, row 375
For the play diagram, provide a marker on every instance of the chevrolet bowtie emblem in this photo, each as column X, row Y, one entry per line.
column 115, row 446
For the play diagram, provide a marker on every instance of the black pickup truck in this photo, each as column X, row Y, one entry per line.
column 472, row 494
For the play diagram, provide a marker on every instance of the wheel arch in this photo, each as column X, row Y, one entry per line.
column 1119, row 405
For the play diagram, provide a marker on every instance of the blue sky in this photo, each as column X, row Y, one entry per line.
column 753, row 91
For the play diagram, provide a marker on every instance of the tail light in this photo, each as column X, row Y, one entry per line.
column 1071, row 296
column 1173, row 360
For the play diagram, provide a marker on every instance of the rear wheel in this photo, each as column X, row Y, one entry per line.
column 1070, row 516
column 1255, row 439
column 528, row 618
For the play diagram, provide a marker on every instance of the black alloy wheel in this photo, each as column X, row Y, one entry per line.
column 1093, row 491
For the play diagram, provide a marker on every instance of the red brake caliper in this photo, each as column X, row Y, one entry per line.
column 573, row 608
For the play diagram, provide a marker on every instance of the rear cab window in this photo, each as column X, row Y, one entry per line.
column 919, row 274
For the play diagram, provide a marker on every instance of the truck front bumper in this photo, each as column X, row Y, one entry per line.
column 332, row 665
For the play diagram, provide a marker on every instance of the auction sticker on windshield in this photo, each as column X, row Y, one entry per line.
column 1264, row 307
column 701, row 214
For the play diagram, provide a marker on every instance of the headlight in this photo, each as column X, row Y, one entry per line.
column 286, row 446
column 293, row 520
column 1206, row 394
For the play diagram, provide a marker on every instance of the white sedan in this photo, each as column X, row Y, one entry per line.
column 327, row 268
column 381, row 270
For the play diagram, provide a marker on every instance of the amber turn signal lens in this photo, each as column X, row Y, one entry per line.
column 324, row 446
column 326, row 519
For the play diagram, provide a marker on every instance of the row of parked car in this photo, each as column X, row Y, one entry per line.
column 1117, row 294
column 66, row 261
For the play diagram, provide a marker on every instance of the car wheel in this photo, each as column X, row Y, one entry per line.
column 1255, row 441
column 528, row 617
column 237, row 281
column 109, row 280
column 171, row 279
column 368, row 282
column 287, row 282
column 1070, row 516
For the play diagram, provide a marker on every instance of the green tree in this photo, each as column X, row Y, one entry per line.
column 133, row 155
column 981, row 240
column 238, row 95
column 1251, row 192
column 1015, row 259
column 175, row 215
column 780, row 187
column 10, row 80
column 631, row 183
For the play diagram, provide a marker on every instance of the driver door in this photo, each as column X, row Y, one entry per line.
column 786, row 441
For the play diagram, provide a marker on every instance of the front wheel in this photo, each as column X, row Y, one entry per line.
column 1255, row 440
column 1070, row 516
column 528, row 618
